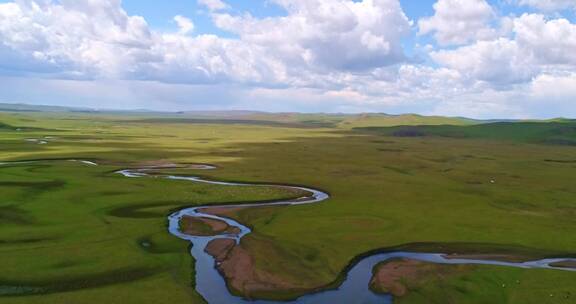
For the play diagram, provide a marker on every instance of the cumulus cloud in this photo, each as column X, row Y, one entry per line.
column 552, row 95
column 459, row 21
column 499, row 61
column 548, row 41
column 557, row 87
column 537, row 45
column 332, row 54
column 98, row 39
column 74, row 38
column 330, row 34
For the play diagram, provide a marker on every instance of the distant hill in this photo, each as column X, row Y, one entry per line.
column 220, row 114
column 384, row 120
column 289, row 119
column 18, row 107
column 343, row 121
column 4, row 126
column 556, row 131
column 347, row 121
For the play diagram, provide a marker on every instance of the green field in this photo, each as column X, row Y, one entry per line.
column 74, row 233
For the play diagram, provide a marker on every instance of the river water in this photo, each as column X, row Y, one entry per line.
column 354, row 289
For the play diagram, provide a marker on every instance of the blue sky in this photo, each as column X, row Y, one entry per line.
column 475, row 58
column 160, row 16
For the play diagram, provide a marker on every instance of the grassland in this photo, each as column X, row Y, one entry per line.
column 72, row 233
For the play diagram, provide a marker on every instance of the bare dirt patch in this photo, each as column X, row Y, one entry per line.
column 219, row 248
column 230, row 212
column 201, row 226
column 398, row 276
column 239, row 268
column 564, row 264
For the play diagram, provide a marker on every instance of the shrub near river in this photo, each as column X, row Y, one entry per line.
column 71, row 232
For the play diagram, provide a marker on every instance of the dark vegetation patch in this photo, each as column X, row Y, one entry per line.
column 35, row 161
column 560, row 141
column 229, row 122
column 561, row 161
column 139, row 211
column 33, row 188
column 8, row 127
column 26, row 288
column 25, row 241
column 320, row 123
column 83, row 137
column 390, row 150
column 14, row 215
column 552, row 133
column 66, row 264
column 5, row 126
column 397, row 170
column 409, row 132
column 113, row 193
column 513, row 204
column 37, row 186
column 109, row 137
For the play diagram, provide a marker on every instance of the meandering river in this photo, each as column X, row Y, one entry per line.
column 354, row 289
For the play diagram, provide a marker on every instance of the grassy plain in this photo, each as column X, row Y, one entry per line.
column 73, row 233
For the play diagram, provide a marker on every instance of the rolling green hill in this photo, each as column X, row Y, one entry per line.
column 559, row 132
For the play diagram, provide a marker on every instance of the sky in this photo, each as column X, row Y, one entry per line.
column 472, row 58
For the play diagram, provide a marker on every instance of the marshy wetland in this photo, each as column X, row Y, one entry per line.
column 500, row 195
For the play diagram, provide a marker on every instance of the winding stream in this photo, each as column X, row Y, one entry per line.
column 354, row 289
column 211, row 285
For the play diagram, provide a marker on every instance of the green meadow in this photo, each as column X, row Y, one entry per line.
column 75, row 233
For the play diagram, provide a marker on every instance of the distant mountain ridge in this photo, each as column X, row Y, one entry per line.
column 20, row 107
column 327, row 120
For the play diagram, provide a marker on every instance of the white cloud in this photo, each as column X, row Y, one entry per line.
column 214, row 5
column 555, row 87
column 459, row 21
column 530, row 72
column 76, row 38
column 537, row 45
column 185, row 25
column 327, row 34
column 549, row 5
column 499, row 62
column 548, row 41
column 327, row 54
column 98, row 39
